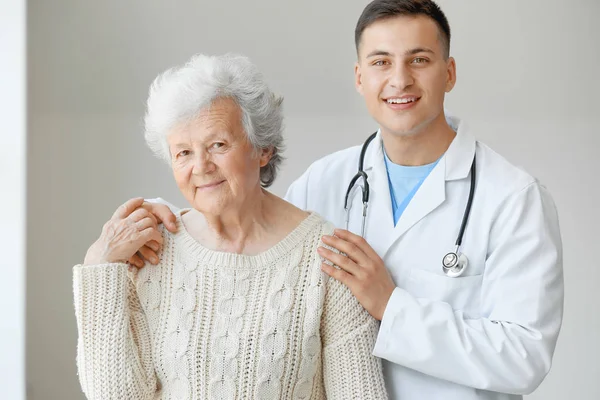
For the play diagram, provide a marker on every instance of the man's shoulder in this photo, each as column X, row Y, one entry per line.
column 334, row 162
column 499, row 173
column 325, row 176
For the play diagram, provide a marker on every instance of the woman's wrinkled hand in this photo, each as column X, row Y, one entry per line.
column 130, row 228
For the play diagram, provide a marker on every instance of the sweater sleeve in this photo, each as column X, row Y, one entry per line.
column 349, row 333
column 114, row 356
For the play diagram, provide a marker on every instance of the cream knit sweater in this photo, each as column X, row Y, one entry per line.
column 211, row 325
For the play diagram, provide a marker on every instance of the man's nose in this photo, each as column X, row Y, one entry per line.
column 401, row 76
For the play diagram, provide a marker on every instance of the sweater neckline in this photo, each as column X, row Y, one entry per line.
column 197, row 251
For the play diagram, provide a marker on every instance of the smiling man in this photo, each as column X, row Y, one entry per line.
column 455, row 250
column 461, row 258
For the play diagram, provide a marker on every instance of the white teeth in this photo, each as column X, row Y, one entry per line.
column 402, row 101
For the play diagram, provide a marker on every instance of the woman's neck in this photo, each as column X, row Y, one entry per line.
column 242, row 229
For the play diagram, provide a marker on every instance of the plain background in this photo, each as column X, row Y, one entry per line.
column 527, row 84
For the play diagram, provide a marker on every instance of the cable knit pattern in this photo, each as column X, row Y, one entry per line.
column 274, row 343
column 205, row 324
column 229, row 324
column 311, row 341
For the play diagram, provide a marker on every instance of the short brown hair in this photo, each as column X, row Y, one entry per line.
column 378, row 10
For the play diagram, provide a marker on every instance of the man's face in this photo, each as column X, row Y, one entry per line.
column 402, row 73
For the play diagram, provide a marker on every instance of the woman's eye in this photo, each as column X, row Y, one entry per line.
column 183, row 153
column 217, row 145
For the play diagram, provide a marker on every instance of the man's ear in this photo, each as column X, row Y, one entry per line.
column 451, row 77
column 358, row 78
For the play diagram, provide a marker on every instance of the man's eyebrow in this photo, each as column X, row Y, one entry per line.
column 378, row 53
column 410, row 52
column 418, row 50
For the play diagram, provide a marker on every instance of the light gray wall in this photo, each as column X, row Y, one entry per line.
column 12, row 198
column 527, row 83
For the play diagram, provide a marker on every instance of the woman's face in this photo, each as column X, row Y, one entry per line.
column 215, row 166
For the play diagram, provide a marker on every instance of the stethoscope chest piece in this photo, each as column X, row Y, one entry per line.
column 454, row 264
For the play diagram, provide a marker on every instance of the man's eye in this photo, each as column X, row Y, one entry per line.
column 380, row 63
column 419, row 60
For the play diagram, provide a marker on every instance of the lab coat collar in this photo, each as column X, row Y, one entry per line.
column 460, row 153
column 457, row 159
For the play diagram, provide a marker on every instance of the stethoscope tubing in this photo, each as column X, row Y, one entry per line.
column 462, row 261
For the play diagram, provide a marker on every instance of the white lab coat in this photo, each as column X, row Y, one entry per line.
column 489, row 334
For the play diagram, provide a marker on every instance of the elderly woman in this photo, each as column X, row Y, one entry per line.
column 237, row 307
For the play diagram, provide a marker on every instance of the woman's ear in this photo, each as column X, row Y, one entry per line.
column 265, row 156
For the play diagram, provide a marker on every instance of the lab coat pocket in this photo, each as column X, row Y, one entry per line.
column 462, row 293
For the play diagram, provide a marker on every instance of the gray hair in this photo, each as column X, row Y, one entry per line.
column 179, row 94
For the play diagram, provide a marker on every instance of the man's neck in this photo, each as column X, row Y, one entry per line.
column 421, row 148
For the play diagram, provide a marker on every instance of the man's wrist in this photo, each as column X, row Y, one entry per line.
column 384, row 304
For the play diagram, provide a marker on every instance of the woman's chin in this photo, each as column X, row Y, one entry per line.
column 209, row 207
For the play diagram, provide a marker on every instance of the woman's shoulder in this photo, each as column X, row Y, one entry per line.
column 321, row 225
column 153, row 272
column 314, row 226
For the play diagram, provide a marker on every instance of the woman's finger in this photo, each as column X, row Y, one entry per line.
column 149, row 234
column 138, row 215
column 164, row 215
column 127, row 208
column 146, row 223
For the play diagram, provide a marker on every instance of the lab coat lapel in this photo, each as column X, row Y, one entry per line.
column 430, row 195
column 454, row 165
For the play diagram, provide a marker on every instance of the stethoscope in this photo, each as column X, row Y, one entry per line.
column 453, row 263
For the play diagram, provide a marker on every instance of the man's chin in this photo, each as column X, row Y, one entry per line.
column 405, row 130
